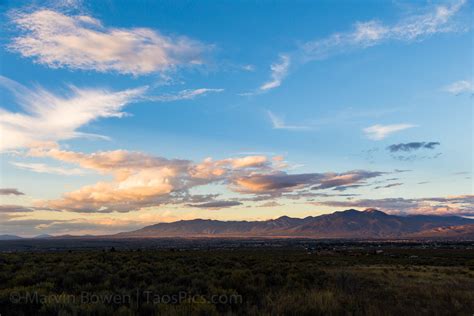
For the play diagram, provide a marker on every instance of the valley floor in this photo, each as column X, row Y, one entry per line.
column 355, row 280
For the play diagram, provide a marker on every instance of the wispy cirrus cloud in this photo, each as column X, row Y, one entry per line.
column 82, row 42
column 44, row 168
column 278, row 122
column 379, row 132
column 47, row 116
column 187, row 94
column 416, row 27
column 279, row 70
column 436, row 19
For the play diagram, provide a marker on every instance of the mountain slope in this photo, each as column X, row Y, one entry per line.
column 42, row 236
column 9, row 237
column 346, row 224
column 460, row 232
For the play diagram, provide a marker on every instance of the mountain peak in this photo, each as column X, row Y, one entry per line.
column 349, row 211
column 373, row 211
column 42, row 236
column 9, row 237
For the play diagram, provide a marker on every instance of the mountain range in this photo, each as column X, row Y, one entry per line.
column 14, row 237
column 349, row 224
column 370, row 224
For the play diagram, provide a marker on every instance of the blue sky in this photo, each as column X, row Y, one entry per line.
column 109, row 111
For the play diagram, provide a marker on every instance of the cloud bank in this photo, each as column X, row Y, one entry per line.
column 141, row 180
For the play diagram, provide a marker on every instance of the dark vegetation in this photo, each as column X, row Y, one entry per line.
column 250, row 281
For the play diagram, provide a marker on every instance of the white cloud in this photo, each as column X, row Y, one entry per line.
column 248, row 67
column 378, row 132
column 279, row 123
column 47, row 116
column 366, row 34
column 279, row 71
column 188, row 94
column 363, row 35
column 50, row 117
column 370, row 33
column 82, row 42
column 43, row 168
column 459, row 87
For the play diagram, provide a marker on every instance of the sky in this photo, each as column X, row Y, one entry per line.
column 115, row 115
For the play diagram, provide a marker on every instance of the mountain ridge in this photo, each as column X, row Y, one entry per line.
column 351, row 223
